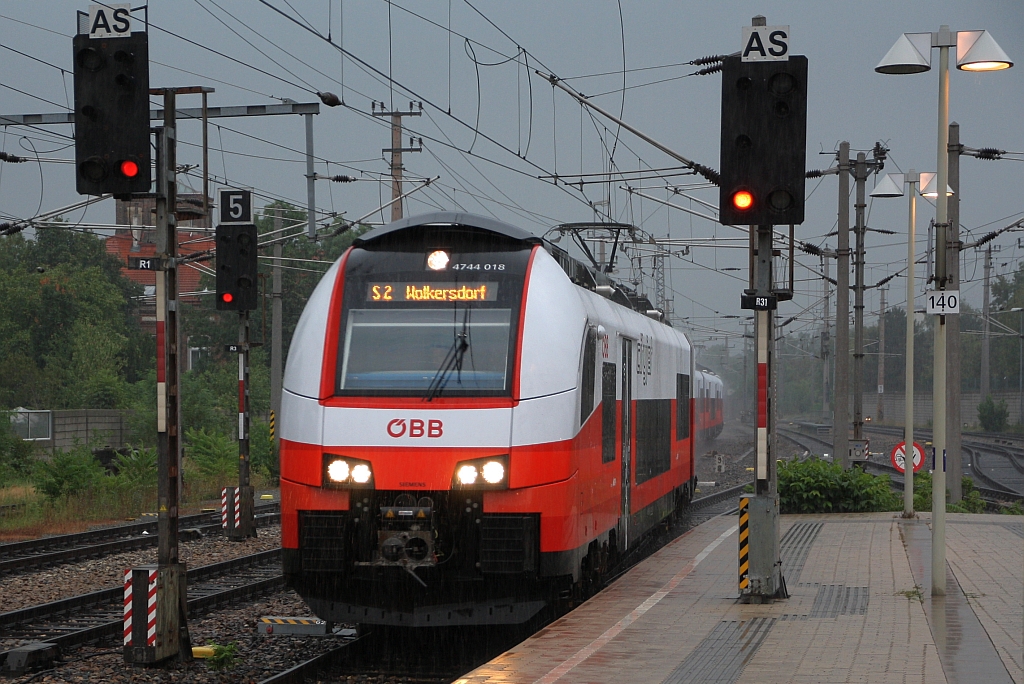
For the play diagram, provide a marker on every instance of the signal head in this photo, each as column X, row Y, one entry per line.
column 129, row 168
column 743, row 200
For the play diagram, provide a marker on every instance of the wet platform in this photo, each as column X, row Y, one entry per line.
column 860, row 611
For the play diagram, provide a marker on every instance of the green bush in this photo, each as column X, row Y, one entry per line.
column 817, row 486
column 971, row 503
column 15, row 453
column 993, row 415
column 68, row 473
column 214, row 454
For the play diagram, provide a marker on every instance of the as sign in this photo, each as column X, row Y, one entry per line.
column 110, row 21
column 943, row 302
column 765, row 44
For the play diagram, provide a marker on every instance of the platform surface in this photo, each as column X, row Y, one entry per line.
column 860, row 611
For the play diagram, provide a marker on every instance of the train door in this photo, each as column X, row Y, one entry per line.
column 627, row 436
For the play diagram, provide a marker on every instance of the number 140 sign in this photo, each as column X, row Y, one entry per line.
column 943, row 302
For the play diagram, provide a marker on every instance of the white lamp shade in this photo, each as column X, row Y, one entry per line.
column 911, row 54
column 928, row 185
column 979, row 51
column 890, row 186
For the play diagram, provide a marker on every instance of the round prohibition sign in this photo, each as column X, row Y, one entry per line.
column 899, row 456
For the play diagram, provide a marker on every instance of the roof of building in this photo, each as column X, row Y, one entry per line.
column 123, row 246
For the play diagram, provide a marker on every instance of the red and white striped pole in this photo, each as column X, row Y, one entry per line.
column 762, row 330
column 245, row 525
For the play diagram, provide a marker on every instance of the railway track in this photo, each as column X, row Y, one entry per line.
column 98, row 615
column 362, row 655
column 35, row 553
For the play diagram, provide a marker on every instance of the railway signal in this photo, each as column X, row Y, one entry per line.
column 764, row 139
column 761, row 184
column 236, row 268
column 111, row 74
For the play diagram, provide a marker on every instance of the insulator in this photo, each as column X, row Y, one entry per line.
column 989, row 153
column 329, row 99
column 707, row 172
column 7, row 157
column 709, row 70
column 810, row 249
column 814, row 173
column 710, row 59
column 342, row 179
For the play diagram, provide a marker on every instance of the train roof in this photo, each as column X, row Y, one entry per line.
column 452, row 218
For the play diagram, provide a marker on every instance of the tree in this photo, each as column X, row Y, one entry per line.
column 68, row 336
column 992, row 415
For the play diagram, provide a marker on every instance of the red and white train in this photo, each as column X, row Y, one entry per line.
column 474, row 424
column 709, row 405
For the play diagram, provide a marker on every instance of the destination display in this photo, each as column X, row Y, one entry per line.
column 432, row 292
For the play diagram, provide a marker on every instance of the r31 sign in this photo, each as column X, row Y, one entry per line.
column 942, row 302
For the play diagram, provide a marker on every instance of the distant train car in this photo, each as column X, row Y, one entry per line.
column 710, row 407
column 474, row 425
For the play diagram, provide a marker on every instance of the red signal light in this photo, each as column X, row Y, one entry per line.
column 742, row 200
column 227, row 297
column 129, row 169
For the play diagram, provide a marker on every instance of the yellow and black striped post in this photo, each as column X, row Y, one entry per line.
column 744, row 543
column 273, row 422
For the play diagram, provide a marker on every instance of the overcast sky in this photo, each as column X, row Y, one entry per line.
column 473, row 62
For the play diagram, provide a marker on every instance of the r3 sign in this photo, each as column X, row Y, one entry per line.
column 943, row 302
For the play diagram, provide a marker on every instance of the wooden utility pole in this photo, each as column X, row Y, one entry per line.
column 396, row 151
column 953, row 435
column 880, row 411
column 841, row 416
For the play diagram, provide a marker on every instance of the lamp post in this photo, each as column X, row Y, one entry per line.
column 892, row 186
column 976, row 51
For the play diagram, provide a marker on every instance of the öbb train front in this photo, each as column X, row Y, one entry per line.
column 473, row 426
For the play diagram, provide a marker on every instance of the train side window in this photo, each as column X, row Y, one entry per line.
column 608, row 412
column 589, row 378
column 682, row 406
column 713, row 405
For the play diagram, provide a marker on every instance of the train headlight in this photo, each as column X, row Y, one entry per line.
column 467, row 475
column 482, row 473
column 437, row 260
column 343, row 471
column 494, row 472
column 361, row 473
column 338, row 470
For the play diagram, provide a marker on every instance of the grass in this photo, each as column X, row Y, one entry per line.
column 912, row 594
column 104, row 505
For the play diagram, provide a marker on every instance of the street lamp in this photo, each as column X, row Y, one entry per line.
column 976, row 51
column 892, row 186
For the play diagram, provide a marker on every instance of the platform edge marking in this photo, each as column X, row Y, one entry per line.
column 594, row 646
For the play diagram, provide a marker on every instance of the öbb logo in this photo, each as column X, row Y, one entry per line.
column 399, row 427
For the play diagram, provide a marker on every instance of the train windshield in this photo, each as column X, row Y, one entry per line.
column 431, row 312
column 435, row 351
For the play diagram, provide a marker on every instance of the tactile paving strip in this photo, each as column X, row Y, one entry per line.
column 794, row 547
column 834, row 600
column 722, row 655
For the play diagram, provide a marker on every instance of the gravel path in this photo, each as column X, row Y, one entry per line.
column 71, row 579
column 735, row 444
column 258, row 656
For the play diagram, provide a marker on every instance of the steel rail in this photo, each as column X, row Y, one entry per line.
column 110, row 600
column 33, row 552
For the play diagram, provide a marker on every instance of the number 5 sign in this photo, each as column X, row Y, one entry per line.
column 235, row 206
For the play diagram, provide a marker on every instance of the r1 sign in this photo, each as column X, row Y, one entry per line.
column 943, row 302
